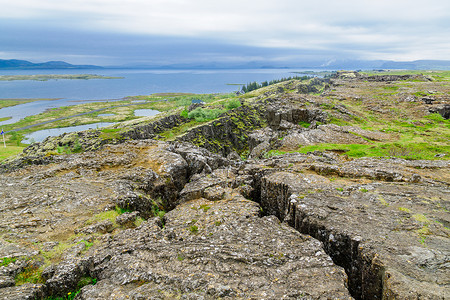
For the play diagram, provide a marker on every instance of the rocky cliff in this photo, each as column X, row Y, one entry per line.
column 232, row 208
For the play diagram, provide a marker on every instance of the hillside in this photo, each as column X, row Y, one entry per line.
column 24, row 64
column 320, row 189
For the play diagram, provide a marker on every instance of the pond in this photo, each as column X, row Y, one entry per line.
column 39, row 136
column 145, row 112
column 106, row 115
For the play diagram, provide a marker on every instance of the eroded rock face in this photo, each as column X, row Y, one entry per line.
column 390, row 237
column 229, row 132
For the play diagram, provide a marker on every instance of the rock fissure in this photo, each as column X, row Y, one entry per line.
column 151, row 219
column 363, row 280
column 367, row 254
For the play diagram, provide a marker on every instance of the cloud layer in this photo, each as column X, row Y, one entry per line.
column 364, row 29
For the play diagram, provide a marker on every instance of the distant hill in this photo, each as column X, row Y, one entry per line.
column 24, row 64
column 335, row 64
column 418, row 65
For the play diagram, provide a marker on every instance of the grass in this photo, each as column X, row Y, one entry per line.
column 158, row 101
column 437, row 75
column 193, row 229
column 204, row 207
column 7, row 260
column 30, row 274
column 71, row 295
column 413, row 136
column 407, row 150
column 110, row 133
column 9, row 151
column 110, row 215
column 55, row 254
column 304, row 124
column 122, row 110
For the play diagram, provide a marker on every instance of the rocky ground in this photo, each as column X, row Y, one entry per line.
column 135, row 217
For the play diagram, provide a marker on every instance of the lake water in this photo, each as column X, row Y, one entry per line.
column 135, row 82
column 39, row 136
column 145, row 112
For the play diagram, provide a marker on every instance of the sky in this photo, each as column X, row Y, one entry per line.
column 282, row 32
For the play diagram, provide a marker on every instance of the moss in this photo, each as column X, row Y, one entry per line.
column 205, row 207
column 304, row 124
column 424, row 230
column 7, row 260
column 180, row 257
column 404, row 209
column 55, row 254
column 30, row 274
column 193, row 229
column 421, row 218
column 382, row 201
column 106, row 215
column 110, row 134
column 86, row 281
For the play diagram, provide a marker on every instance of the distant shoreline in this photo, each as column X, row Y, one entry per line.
column 55, row 77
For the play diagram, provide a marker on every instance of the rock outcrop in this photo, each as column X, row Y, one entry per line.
column 213, row 214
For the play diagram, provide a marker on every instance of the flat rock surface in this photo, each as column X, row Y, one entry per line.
column 215, row 249
column 332, row 134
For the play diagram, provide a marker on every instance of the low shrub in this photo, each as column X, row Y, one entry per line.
column 202, row 115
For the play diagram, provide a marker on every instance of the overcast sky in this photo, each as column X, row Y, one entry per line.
column 114, row 32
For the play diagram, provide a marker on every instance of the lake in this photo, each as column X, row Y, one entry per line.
column 39, row 136
column 145, row 112
column 135, row 82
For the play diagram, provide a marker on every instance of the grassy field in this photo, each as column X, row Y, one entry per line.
column 384, row 107
column 119, row 110
column 375, row 106
column 9, row 150
column 436, row 75
column 12, row 102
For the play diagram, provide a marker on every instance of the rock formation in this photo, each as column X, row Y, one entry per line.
column 134, row 217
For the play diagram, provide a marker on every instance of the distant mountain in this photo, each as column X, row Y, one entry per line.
column 23, row 64
column 335, row 64
column 349, row 64
column 418, row 65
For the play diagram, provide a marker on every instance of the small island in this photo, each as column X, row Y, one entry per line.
column 55, row 77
